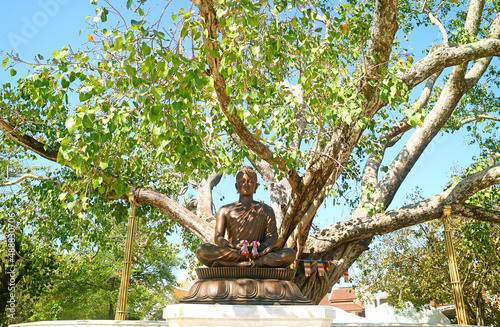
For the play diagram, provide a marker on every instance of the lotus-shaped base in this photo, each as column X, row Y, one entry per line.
column 245, row 286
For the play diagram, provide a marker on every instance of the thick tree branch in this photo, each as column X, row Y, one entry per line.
column 447, row 57
column 383, row 223
column 279, row 191
column 418, row 142
column 27, row 141
column 392, row 135
column 477, row 213
column 423, row 99
column 472, row 184
column 370, row 171
column 435, row 120
column 204, row 196
column 450, row 96
column 299, row 235
column 436, row 22
column 176, row 211
column 336, row 152
column 382, row 32
column 383, row 29
column 474, row 14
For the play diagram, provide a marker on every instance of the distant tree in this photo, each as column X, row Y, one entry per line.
column 68, row 266
column 53, row 284
column 312, row 94
column 88, row 289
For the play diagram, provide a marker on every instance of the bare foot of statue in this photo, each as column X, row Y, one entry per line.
column 221, row 263
column 246, row 264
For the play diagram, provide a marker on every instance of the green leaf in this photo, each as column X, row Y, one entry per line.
column 156, row 113
column 413, row 121
column 252, row 120
column 157, row 92
column 71, row 124
column 394, row 89
column 103, row 165
column 136, row 23
column 184, row 31
column 13, row 72
column 104, row 15
column 147, row 64
column 119, row 43
column 160, row 35
column 131, row 71
column 129, row 3
column 5, row 61
column 121, row 188
column 145, row 49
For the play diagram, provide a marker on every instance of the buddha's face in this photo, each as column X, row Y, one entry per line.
column 246, row 185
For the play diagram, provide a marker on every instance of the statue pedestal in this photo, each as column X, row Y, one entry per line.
column 193, row 315
column 245, row 286
column 237, row 296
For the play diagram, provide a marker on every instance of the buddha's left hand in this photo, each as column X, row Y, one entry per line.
column 267, row 250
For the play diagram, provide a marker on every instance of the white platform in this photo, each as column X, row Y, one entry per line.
column 202, row 315
column 93, row 323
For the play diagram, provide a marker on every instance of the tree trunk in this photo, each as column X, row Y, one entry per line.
column 4, row 293
column 316, row 287
column 111, row 311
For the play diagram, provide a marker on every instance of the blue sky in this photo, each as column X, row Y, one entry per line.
column 30, row 27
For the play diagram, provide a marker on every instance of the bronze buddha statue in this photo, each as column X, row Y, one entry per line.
column 245, row 221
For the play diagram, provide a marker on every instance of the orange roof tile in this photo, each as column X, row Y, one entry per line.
column 345, row 299
column 348, row 307
column 343, row 294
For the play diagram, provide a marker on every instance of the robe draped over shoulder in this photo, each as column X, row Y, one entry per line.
column 256, row 222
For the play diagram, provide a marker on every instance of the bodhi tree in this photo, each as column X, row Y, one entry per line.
column 313, row 94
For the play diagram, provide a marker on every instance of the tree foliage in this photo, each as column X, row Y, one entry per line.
column 313, row 94
column 57, row 279
column 67, row 263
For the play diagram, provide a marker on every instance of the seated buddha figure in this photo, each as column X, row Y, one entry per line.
column 245, row 221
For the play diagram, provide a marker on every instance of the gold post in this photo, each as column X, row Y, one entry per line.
column 452, row 263
column 127, row 261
